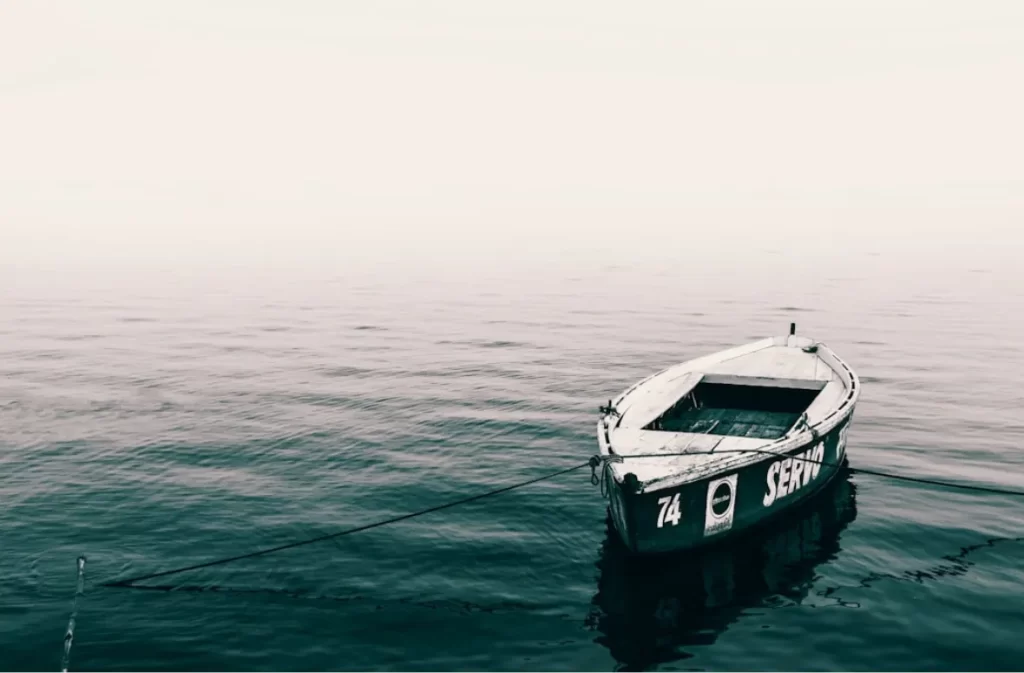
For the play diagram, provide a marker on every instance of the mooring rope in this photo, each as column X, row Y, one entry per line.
column 593, row 463
column 128, row 583
column 69, row 635
column 615, row 458
column 936, row 482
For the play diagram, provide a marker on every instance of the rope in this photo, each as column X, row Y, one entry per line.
column 617, row 458
column 69, row 635
column 605, row 473
column 129, row 583
column 603, row 480
column 936, row 482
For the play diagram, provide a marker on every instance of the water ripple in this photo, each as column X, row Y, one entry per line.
column 150, row 430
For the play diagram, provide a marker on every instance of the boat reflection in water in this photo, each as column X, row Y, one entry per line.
column 648, row 610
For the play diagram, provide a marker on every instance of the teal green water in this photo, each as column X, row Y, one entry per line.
column 160, row 419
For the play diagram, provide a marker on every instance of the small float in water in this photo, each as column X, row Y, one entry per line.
column 714, row 446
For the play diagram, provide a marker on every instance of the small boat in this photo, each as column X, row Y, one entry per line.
column 712, row 447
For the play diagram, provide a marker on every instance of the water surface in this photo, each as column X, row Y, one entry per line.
column 160, row 419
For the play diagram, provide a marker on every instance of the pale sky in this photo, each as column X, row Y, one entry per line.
column 354, row 132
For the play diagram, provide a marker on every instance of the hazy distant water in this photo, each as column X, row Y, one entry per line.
column 161, row 419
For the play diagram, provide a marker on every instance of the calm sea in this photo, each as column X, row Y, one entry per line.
column 155, row 419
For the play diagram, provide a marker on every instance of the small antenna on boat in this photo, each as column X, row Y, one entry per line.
column 792, row 328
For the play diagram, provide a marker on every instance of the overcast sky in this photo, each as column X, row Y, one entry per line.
column 344, row 132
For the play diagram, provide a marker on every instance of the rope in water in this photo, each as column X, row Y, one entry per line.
column 593, row 463
column 69, row 634
column 127, row 583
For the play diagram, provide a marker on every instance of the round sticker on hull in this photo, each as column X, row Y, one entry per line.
column 721, row 504
column 721, row 499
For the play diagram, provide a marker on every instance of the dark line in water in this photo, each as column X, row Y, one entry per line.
column 128, row 583
column 936, row 482
column 958, row 566
column 593, row 463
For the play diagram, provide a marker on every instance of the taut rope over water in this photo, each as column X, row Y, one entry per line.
column 617, row 458
column 593, row 463
column 130, row 582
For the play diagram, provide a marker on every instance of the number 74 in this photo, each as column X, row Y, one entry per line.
column 669, row 510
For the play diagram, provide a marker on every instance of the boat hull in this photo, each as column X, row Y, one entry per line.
column 651, row 610
column 726, row 504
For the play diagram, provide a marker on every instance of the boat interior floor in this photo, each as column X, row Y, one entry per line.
column 760, row 412
column 732, row 423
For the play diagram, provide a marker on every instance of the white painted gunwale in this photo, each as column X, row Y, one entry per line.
column 727, row 462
